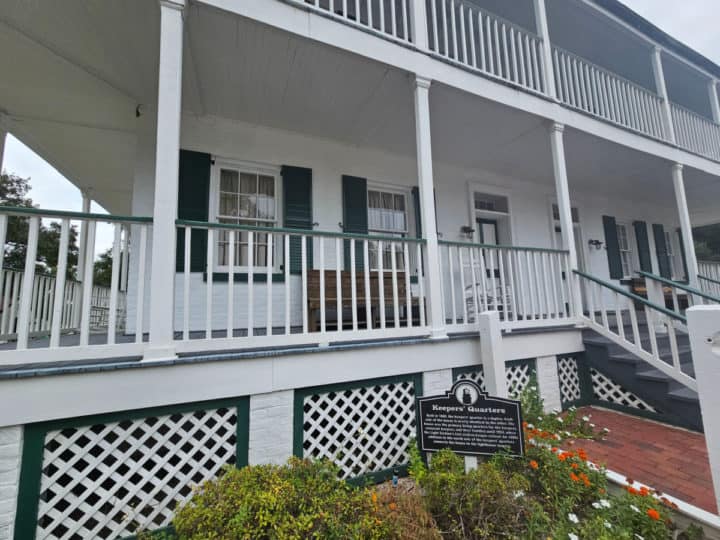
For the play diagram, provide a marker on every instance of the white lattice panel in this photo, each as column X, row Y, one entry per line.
column 517, row 375
column 569, row 380
column 608, row 390
column 111, row 480
column 363, row 429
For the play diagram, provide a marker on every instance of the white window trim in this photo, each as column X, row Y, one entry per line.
column 472, row 187
column 670, row 247
column 214, row 200
column 396, row 190
column 631, row 242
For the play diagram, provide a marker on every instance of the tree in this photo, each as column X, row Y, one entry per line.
column 14, row 192
column 707, row 242
column 102, row 269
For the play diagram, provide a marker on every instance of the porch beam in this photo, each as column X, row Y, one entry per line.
column 714, row 101
column 659, row 73
column 167, row 155
column 427, row 208
column 685, row 225
column 543, row 30
column 562, row 190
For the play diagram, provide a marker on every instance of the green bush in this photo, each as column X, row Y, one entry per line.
column 302, row 499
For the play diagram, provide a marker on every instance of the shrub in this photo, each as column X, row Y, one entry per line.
column 302, row 499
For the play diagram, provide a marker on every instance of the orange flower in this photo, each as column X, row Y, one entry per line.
column 585, row 479
column 574, row 465
column 644, row 491
column 534, row 464
column 574, row 477
column 632, row 491
column 373, row 497
column 392, row 506
column 553, row 449
column 653, row 514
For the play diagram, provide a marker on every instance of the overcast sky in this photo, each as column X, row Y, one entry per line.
column 694, row 22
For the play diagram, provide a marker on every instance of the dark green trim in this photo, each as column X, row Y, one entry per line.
column 612, row 245
column 680, row 286
column 242, row 277
column 632, row 296
column 494, row 223
column 661, row 250
column 20, row 210
column 711, row 280
column 681, row 243
column 34, row 442
column 492, row 246
column 299, row 413
column 643, row 243
column 297, row 232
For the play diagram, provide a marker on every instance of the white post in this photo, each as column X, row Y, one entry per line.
column 659, row 73
column 567, row 231
column 418, row 22
column 704, row 329
column 167, row 155
column 544, row 32
column 714, row 101
column 427, row 208
column 3, row 137
column 82, row 248
column 685, row 225
column 492, row 355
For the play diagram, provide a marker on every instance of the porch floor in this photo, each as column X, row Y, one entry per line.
column 669, row 459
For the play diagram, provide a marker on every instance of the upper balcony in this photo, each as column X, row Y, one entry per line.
column 602, row 59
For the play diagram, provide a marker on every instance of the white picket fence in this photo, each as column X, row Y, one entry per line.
column 463, row 33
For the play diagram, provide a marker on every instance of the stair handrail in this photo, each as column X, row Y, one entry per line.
column 711, row 280
column 632, row 296
column 681, row 286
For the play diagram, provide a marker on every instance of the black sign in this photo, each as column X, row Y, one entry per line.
column 468, row 421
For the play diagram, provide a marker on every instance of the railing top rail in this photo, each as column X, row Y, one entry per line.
column 632, row 296
column 508, row 248
column 692, row 113
column 501, row 19
column 297, row 232
column 608, row 72
column 711, row 280
column 25, row 211
column 714, row 263
column 681, row 286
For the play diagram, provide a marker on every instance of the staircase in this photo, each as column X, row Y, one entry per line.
column 672, row 401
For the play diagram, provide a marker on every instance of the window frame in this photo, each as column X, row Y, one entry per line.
column 629, row 249
column 248, row 167
column 670, row 249
column 394, row 190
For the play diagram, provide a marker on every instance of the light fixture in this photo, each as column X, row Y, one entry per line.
column 597, row 244
column 467, row 232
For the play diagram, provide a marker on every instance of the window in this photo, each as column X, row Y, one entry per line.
column 625, row 251
column 670, row 253
column 387, row 216
column 245, row 197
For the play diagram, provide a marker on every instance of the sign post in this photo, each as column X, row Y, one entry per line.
column 469, row 422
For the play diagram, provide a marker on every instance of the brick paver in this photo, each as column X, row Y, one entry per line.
column 669, row 459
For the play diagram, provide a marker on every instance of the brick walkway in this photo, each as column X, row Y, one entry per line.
column 671, row 460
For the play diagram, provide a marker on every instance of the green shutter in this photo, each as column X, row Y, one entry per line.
column 297, row 211
column 661, row 251
column 193, row 204
column 418, row 214
column 613, row 247
column 681, row 242
column 355, row 215
column 643, row 244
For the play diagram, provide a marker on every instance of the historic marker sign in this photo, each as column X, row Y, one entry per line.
column 468, row 421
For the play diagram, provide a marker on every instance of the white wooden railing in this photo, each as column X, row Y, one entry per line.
column 39, row 312
column 709, row 277
column 597, row 91
column 529, row 287
column 336, row 288
column 682, row 296
column 696, row 133
column 390, row 18
column 463, row 33
column 610, row 309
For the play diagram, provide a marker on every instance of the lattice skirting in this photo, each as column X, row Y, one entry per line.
column 363, row 427
column 518, row 373
column 607, row 390
column 569, row 376
column 111, row 476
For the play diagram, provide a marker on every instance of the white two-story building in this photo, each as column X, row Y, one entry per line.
column 311, row 205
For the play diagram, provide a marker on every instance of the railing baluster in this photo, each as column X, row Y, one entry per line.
column 395, row 296
column 321, row 262
column 503, row 287
column 286, row 269
column 462, row 285
column 672, row 337
column 366, row 278
column 186, row 284
column 498, row 52
column 114, row 284
column 451, row 274
column 471, row 23
column 270, row 265
column 462, row 32
column 304, row 281
column 59, row 280
column 634, row 322
column 650, row 321
column 209, row 285
column 140, row 303
column 381, row 284
column 473, row 276
column 338, row 284
column 492, row 252
column 251, row 283
column 393, row 18
column 230, row 316
column 483, row 276
column 408, row 295
column 481, row 41
column 619, row 318
column 353, row 285
column 445, row 28
column 433, row 10
column 87, row 285
column 421, row 284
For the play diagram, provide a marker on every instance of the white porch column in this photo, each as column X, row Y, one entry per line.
column 544, row 32
column 433, row 299
column 685, row 225
column 562, row 190
column 167, row 155
column 714, row 102
column 82, row 249
column 492, row 355
column 418, row 21
column 659, row 73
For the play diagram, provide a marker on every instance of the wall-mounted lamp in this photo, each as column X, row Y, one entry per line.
column 597, row 244
column 467, row 232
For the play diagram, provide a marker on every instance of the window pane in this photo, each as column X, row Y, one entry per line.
column 228, row 180
column 267, row 186
column 374, row 199
column 387, row 201
column 400, row 202
column 248, row 183
column 228, row 204
column 247, row 206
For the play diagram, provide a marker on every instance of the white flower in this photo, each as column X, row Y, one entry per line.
column 559, row 419
column 592, row 425
column 604, row 503
column 530, row 426
column 606, row 430
column 596, row 505
column 572, row 517
column 518, row 494
column 638, row 537
column 539, row 418
column 634, row 508
column 556, row 411
column 608, row 525
column 572, row 536
column 586, row 418
column 557, row 437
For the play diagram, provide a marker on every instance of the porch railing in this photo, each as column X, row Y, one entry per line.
column 34, row 305
column 463, row 33
column 632, row 322
column 682, row 296
column 696, row 133
column 597, row 91
column 709, row 277
column 390, row 18
column 294, row 287
column 529, row 287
